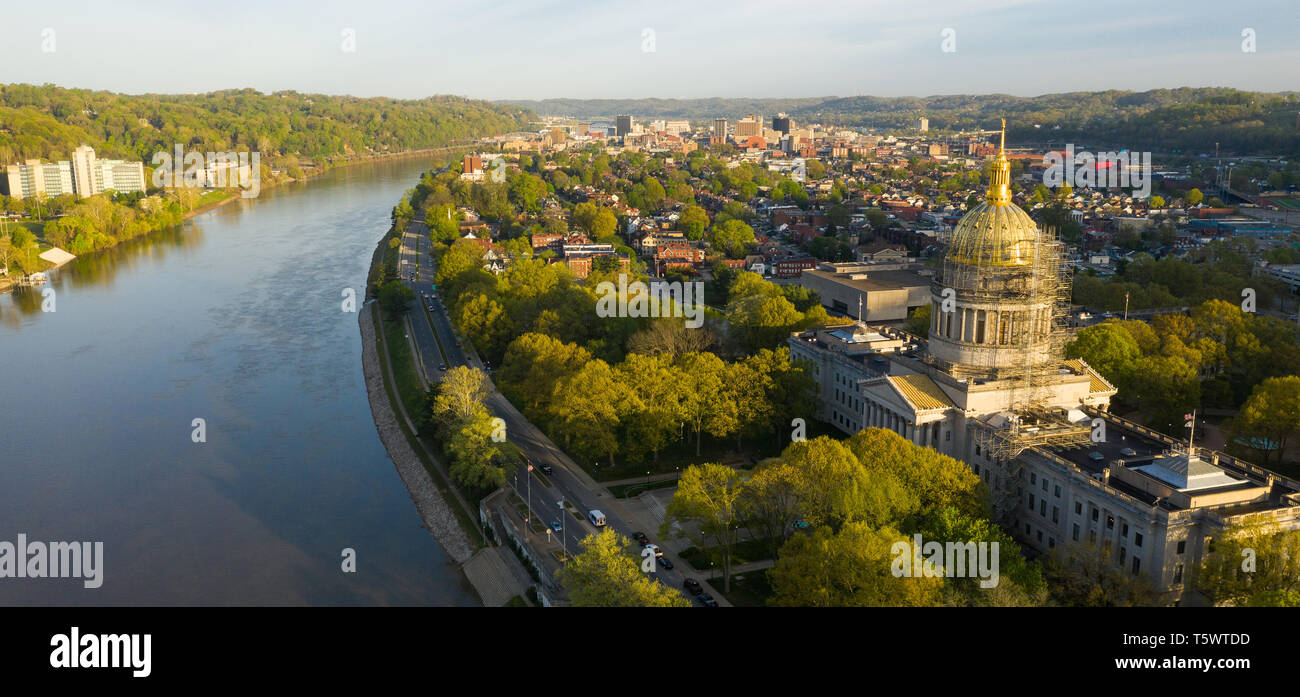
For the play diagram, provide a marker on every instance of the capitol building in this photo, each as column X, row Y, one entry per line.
column 991, row 386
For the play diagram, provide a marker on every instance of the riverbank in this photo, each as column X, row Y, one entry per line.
column 433, row 508
column 7, row 284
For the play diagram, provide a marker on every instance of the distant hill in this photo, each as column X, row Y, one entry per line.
column 49, row 122
column 1189, row 119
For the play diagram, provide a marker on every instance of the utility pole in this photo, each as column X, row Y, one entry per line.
column 1125, row 306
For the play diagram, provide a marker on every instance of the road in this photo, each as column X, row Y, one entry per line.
column 432, row 330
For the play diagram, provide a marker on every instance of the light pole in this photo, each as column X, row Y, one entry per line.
column 564, row 541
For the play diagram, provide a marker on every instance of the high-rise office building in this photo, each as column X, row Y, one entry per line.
column 720, row 128
column 749, row 126
column 781, row 123
column 923, row 125
column 622, row 125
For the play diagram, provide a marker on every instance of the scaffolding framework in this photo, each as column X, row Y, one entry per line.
column 1039, row 293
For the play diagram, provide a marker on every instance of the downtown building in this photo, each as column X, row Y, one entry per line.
column 991, row 387
column 84, row 175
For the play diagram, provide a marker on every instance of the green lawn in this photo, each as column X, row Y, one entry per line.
column 742, row 552
column 624, row 491
column 408, row 380
column 747, row 590
column 468, row 522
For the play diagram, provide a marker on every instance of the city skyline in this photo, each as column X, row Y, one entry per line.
column 529, row 51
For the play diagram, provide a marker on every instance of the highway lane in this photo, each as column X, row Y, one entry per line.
column 569, row 482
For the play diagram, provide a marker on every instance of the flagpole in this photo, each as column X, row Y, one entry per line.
column 1191, row 437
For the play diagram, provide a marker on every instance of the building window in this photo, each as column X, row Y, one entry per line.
column 1044, row 484
column 1058, row 490
column 1031, row 502
column 1092, row 535
column 1123, row 530
column 1137, row 539
column 1051, row 542
column 1078, row 508
column 1056, row 514
column 1137, row 565
column 1033, row 478
column 1042, row 507
column 1182, row 545
column 1075, row 536
column 1040, row 537
column 1094, row 514
column 1110, row 522
column 1123, row 554
column 1178, row 573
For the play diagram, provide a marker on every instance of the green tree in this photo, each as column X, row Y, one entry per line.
column 586, row 408
column 851, row 568
column 706, row 509
column 394, row 296
column 1270, row 418
column 936, row 479
column 1248, row 560
column 1087, row 575
column 733, row 238
column 692, row 222
column 607, row 574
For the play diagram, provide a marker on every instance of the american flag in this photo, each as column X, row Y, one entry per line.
column 530, row 468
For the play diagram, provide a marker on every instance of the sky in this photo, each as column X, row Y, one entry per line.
column 535, row 49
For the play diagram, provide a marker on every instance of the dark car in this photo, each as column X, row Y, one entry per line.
column 665, row 562
column 640, row 537
column 442, row 366
column 546, row 469
column 693, row 586
column 708, row 600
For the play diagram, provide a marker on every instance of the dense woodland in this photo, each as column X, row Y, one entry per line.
column 49, row 122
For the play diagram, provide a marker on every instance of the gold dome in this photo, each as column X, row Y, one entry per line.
column 996, row 232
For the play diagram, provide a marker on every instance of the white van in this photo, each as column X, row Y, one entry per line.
column 596, row 517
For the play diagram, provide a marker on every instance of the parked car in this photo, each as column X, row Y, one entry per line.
column 555, row 525
column 546, row 469
column 665, row 562
column 654, row 549
column 1096, row 455
column 442, row 366
column 708, row 600
column 1127, row 452
column 640, row 537
column 693, row 586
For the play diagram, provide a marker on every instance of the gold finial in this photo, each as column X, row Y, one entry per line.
column 999, row 192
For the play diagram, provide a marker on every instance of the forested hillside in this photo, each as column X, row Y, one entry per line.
column 49, row 122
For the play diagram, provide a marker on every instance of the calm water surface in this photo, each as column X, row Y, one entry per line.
column 234, row 318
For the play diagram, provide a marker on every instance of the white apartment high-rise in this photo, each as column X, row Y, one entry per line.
column 83, row 175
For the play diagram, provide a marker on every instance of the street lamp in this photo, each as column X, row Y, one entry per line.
column 564, row 542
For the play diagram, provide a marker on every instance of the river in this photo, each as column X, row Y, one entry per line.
column 235, row 318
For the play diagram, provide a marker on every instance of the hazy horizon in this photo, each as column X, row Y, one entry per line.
column 581, row 49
